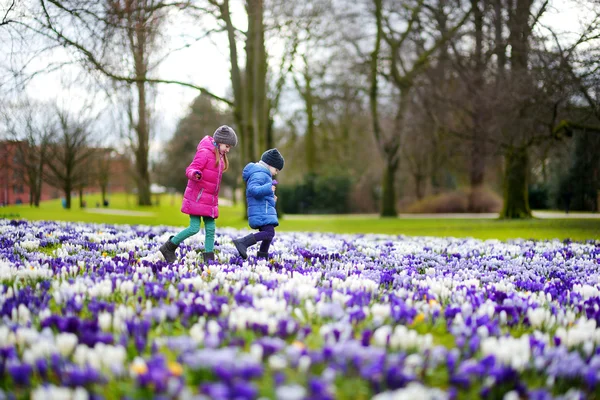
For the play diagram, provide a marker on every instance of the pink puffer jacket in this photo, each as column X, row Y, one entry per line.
column 201, row 197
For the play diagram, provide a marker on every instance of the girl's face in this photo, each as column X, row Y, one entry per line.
column 224, row 148
column 274, row 171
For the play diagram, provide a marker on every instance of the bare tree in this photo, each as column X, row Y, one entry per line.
column 31, row 126
column 103, row 158
column 528, row 111
column 314, row 45
column 70, row 154
column 252, row 101
column 141, row 21
column 459, row 87
column 511, row 106
column 581, row 59
column 115, row 39
column 402, row 72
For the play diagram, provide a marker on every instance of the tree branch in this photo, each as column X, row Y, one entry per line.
column 98, row 65
column 568, row 127
column 5, row 19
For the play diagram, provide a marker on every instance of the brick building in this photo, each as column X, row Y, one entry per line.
column 14, row 189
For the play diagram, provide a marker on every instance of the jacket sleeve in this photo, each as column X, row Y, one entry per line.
column 258, row 189
column 198, row 164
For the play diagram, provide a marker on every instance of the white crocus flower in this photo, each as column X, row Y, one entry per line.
column 290, row 392
column 197, row 333
column 66, row 342
column 381, row 311
column 381, row 335
column 277, row 362
column 515, row 352
column 304, row 364
column 413, row 390
column 29, row 245
column 105, row 321
column 52, row 392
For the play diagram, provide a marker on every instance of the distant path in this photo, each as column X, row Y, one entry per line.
column 573, row 215
column 114, row 211
column 537, row 214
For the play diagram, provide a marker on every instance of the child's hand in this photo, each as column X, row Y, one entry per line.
column 273, row 188
column 197, row 175
column 275, row 197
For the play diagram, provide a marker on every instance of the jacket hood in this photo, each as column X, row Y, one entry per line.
column 254, row 168
column 206, row 143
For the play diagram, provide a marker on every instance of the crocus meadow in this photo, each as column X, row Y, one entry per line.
column 93, row 311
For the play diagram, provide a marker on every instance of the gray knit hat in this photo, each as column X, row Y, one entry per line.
column 274, row 158
column 226, row 135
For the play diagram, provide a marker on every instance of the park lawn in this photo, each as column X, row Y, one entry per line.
column 574, row 229
column 167, row 213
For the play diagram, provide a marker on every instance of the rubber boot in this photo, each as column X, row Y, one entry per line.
column 168, row 251
column 262, row 254
column 242, row 244
column 210, row 256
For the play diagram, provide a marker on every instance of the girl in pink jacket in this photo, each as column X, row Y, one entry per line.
column 201, row 197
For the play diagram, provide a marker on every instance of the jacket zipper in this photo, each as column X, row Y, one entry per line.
column 199, row 194
column 220, row 177
column 218, row 187
column 266, row 206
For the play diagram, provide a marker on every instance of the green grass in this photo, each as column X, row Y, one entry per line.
column 575, row 229
column 167, row 213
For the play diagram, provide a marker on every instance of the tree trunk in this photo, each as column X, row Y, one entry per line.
column 419, row 186
column 38, row 184
column 270, row 142
column 388, row 199
column 68, row 197
column 143, row 130
column 310, row 146
column 249, row 98
column 236, row 79
column 477, row 168
column 234, row 188
column 32, row 184
column 516, row 201
column 143, row 176
column 240, row 90
column 81, row 205
column 520, row 30
column 103, row 191
column 499, row 42
column 259, row 87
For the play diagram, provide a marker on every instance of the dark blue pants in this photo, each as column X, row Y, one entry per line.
column 265, row 236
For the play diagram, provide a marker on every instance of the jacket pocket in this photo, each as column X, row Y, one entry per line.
column 199, row 195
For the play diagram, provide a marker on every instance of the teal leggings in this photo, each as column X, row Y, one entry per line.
column 209, row 232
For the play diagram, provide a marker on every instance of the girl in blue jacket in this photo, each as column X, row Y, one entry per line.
column 260, row 192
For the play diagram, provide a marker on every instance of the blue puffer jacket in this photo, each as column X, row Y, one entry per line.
column 261, row 199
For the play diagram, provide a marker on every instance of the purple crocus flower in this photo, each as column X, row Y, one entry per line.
column 74, row 377
column 216, row 390
column 243, row 390
column 20, row 373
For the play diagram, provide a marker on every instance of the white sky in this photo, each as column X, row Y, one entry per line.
column 206, row 63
